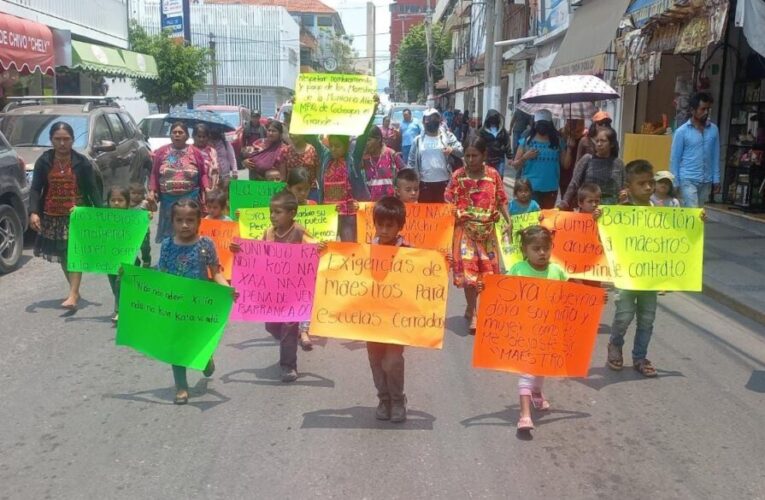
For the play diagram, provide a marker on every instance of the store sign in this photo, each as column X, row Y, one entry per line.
column 643, row 10
column 174, row 16
column 25, row 45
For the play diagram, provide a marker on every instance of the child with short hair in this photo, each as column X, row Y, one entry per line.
column 189, row 255
column 138, row 201
column 588, row 197
column 118, row 197
column 640, row 304
column 536, row 245
column 478, row 195
column 216, row 203
column 284, row 229
column 272, row 175
column 387, row 360
column 522, row 201
column 664, row 192
column 407, row 185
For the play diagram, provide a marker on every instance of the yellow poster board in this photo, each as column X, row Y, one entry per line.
column 653, row 248
column 332, row 104
column 654, row 148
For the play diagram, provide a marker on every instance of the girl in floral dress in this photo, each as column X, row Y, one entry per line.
column 479, row 197
column 300, row 154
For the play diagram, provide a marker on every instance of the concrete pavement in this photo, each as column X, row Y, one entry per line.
column 85, row 419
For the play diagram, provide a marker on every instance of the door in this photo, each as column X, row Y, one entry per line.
column 106, row 161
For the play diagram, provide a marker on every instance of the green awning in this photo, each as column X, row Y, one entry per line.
column 112, row 61
column 142, row 65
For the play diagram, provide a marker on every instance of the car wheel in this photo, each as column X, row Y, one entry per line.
column 11, row 238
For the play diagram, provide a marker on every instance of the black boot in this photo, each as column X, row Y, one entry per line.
column 398, row 409
column 383, row 409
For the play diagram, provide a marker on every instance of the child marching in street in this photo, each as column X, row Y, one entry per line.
column 478, row 195
column 522, row 202
column 387, row 360
column 407, row 185
column 119, row 198
column 189, row 255
column 299, row 184
column 138, row 201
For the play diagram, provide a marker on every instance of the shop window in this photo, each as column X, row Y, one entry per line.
column 325, row 21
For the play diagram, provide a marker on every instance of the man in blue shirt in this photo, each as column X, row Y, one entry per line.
column 409, row 130
column 695, row 157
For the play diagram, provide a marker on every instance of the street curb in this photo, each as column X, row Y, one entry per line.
column 737, row 305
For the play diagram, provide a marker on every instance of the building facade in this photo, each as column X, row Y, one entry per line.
column 257, row 51
column 404, row 14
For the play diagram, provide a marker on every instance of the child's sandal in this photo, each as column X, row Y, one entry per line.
column 644, row 367
column 539, row 402
column 525, row 424
column 615, row 359
column 181, row 397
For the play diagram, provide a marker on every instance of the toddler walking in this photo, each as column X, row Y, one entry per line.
column 119, row 198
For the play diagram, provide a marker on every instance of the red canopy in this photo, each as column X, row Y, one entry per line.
column 25, row 45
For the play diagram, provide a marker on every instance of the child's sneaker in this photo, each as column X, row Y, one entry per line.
column 398, row 410
column 289, row 374
column 383, row 410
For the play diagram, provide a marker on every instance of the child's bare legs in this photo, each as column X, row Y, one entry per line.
column 471, row 297
column 530, row 392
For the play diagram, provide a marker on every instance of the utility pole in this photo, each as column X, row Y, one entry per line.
column 429, row 61
column 214, row 59
column 488, row 53
column 494, row 82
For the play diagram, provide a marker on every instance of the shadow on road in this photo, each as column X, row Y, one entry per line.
column 272, row 376
column 56, row 304
column 250, row 343
column 509, row 417
column 363, row 417
column 458, row 325
column 95, row 319
column 756, row 382
column 601, row 376
column 166, row 395
column 352, row 345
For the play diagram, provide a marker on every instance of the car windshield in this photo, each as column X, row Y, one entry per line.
column 398, row 114
column 34, row 130
column 231, row 117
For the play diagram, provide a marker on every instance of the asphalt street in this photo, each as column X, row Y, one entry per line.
column 82, row 418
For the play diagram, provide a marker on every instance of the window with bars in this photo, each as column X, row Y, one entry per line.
column 248, row 97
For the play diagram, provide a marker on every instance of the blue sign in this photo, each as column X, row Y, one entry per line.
column 174, row 16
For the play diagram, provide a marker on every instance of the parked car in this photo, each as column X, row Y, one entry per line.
column 157, row 131
column 14, row 200
column 236, row 116
column 396, row 112
column 104, row 133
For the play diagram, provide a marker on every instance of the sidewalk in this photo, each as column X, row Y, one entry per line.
column 734, row 262
column 734, row 259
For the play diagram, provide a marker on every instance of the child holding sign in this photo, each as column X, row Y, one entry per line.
column 191, row 256
column 118, row 197
column 387, row 360
column 536, row 245
column 299, row 184
column 478, row 195
column 635, row 303
column 217, row 205
column 284, row 229
column 138, row 201
column 522, row 202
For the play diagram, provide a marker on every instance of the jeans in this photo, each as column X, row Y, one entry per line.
column 387, row 364
column 630, row 304
column 287, row 334
column 405, row 153
column 694, row 194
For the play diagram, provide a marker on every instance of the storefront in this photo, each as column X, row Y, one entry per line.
column 26, row 55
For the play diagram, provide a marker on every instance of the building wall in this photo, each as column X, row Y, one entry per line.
column 103, row 21
column 403, row 15
column 255, row 46
column 265, row 99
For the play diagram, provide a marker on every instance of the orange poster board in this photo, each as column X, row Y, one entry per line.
column 428, row 225
column 222, row 232
column 577, row 247
column 537, row 326
column 381, row 293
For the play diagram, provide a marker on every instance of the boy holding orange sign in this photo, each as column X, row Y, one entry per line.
column 387, row 360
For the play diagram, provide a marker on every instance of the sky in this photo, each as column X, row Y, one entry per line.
column 353, row 14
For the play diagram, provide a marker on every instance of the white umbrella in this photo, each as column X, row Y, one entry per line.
column 577, row 110
column 569, row 89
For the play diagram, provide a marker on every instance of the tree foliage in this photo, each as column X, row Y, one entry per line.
column 411, row 67
column 182, row 69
